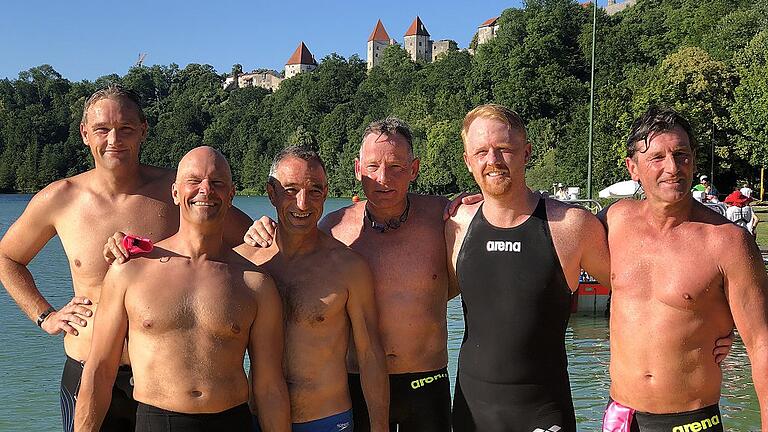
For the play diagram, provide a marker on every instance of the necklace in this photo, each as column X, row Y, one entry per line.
column 391, row 224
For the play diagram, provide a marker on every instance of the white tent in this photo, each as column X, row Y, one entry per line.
column 622, row 189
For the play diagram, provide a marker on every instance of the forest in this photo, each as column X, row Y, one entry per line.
column 706, row 59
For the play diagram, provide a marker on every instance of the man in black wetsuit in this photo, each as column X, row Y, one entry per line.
column 516, row 258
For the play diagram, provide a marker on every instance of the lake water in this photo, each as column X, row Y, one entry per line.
column 31, row 361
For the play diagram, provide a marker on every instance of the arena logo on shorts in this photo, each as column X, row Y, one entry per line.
column 503, row 246
column 698, row 425
column 421, row 382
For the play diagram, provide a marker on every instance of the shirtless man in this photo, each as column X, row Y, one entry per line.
column 327, row 290
column 401, row 237
column 189, row 310
column 516, row 258
column 120, row 194
column 682, row 275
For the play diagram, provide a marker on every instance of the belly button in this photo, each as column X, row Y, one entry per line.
column 434, row 276
column 195, row 393
column 319, row 318
column 687, row 296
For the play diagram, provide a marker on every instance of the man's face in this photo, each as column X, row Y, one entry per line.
column 495, row 155
column 113, row 132
column 665, row 170
column 298, row 191
column 203, row 188
column 385, row 169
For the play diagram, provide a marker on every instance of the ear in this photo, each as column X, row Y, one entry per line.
column 466, row 161
column 271, row 193
column 527, row 152
column 632, row 169
column 84, row 133
column 415, row 165
column 144, row 131
column 358, row 170
column 175, row 194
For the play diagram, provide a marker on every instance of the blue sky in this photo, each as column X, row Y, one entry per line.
column 85, row 39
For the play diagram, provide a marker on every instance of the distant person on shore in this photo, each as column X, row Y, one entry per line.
column 679, row 300
column 328, row 290
column 190, row 310
column 401, row 236
column 119, row 194
column 746, row 190
column 740, row 212
column 710, row 191
column 517, row 258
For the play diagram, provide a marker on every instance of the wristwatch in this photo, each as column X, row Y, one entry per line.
column 44, row 315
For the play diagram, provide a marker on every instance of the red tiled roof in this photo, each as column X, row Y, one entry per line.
column 302, row 56
column 417, row 28
column 489, row 22
column 379, row 33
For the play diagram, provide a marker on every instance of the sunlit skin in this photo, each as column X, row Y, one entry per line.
column 681, row 277
column 190, row 309
column 327, row 290
column 666, row 169
column 386, row 168
column 496, row 156
column 114, row 133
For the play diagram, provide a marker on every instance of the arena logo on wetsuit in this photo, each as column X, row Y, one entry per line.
column 503, row 246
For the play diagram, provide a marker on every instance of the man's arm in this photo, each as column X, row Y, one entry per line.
column 746, row 288
column 109, row 333
column 361, row 307
column 265, row 350
column 21, row 243
column 594, row 248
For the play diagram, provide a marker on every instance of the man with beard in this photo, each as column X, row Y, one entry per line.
column 516, row 258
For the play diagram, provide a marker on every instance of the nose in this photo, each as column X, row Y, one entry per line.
column 112, row 137
column 204, row 187
column 382, row 175
column 493, row 156
column 671, row 164
column 301, row 199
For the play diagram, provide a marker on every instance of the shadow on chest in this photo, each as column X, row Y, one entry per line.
column 313, row 301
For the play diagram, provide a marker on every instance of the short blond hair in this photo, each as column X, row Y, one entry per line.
column 497, row 112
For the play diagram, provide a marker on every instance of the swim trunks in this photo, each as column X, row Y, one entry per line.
column 121, row 416
column 153, row 419
column 619, row 418
column 513, row 369
column 341, row 422
column 418, row 402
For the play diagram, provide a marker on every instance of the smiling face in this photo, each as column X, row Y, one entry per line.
column 665, row 170
column 298, row 190
column 203, row 188
column 386, row 169
column 495, row 155
column 114, row 132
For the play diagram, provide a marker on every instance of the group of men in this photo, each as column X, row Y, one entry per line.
column 344, row 319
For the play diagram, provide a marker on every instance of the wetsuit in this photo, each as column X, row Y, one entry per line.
column 153, row 419
column 418, row 402
column 121, row 416
column 513, row 370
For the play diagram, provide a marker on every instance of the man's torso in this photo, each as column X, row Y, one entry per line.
column 411, row 281
column 668, row 308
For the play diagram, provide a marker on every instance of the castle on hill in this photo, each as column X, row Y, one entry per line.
column 417, row 43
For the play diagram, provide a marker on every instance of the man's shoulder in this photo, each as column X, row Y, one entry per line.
column 343, row 217
column 572, row 215
column 62, row 193
column 342, row 258
column 464, row 215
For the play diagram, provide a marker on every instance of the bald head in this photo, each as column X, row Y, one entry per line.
column 204, row 157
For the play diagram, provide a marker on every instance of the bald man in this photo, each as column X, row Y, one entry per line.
column 190, row 310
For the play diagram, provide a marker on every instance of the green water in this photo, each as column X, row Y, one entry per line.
column 31, row 362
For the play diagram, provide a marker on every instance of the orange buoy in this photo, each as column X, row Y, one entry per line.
column 355, row 198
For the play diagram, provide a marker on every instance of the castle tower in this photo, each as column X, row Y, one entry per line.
column 417, row 42
column 301, row 61
column 377, row 41
column 487, row 30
